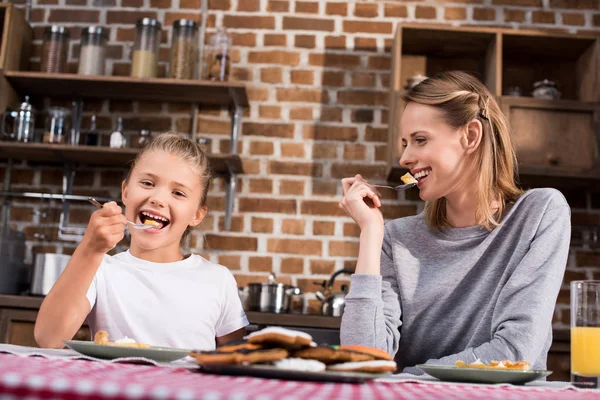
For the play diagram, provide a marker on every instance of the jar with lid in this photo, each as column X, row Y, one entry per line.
column 184, row 50
column 92, row 56
column 57, row 125
column 145, row 48
column 55, row 49
column 216, row 63
column 23, row 123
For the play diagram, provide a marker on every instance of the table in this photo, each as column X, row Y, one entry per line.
column 36, row 377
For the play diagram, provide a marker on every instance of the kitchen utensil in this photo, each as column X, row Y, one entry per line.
column 332, row 304
column 399, row 187
column 136, row 226
column 23, row 123
column 12, row 254
column 546, row 89
column 57, row 125
column 46, row 270
column 271, row 296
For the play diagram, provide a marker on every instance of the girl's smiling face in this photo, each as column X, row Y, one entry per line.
column 435, row 152
column 165, row 190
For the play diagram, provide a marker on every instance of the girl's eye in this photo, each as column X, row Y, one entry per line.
column 178, row 193
column 146, row 183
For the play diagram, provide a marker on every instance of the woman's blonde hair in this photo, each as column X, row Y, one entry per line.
column 180, row 145
column 461, row 97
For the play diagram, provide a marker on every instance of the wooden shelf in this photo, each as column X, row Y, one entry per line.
column 100, row 156
column 124, row 88
column 560, row 104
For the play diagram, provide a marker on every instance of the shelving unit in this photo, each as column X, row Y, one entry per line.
column 558, row 141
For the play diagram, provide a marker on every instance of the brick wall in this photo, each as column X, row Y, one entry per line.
column 317, row 75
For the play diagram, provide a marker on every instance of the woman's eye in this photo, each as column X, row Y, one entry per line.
column 420, row 140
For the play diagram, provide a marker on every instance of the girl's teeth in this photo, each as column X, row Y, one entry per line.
column 154, row 216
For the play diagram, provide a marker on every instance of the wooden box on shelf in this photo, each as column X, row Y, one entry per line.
column 553, row 137
column 15, row 40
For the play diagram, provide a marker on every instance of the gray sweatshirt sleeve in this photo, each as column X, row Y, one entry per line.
column 372, row 315
column 523, row 314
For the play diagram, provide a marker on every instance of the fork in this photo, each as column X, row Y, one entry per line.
column 399, row 187
column 136, row 226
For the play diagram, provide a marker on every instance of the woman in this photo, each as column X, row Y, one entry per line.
column 477, row 273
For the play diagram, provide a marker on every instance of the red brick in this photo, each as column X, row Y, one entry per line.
column 274, row 40
column 229, row 261
column 24, row 214
column 351, row 229
column 332, row 78
column 248, row 5
column 293, row 226
column 288, row 187
column 271, row 75
column 573, row 19
column 367, row 171
column 248, row 22
column 302, row 95
column 365, row 44
column 325, row 208
column 395, row 10
column 362, row 97
column 335, row 42
column 334, row 60
column 301, row 113
column 323, row 228
column 237, row 223
column 331, row 114
column 261, row 186
column 260, row 264
column 513, row 15
column 193, row 4
column 455, row 13
column 543, row 17
column 380, row 62
column 267, row 205
column 578, row 4
column 365, row 10
column 278, row 6
column 243, row 243
column 241, row 74
column 520, row 3
column 292, row 265
column 302, row 77
column 171, row 17
column 132, row 3
column 70, row 15
column 38, row 15
column 307, row 7
column 355, row 152
column 343, row 249
column 268, row 129
column 219, row 5
column 308, row 24
column 322, row 267
column 376, row 134
column 274, row 57
column 367, row 27
column 245, row 39
column 262, row 225
column 295, row 246
column 484, row 14
column 295, row 168
column 336, row 9
column 261, row 148
column 292, row 150
column 597, row 20
column 213, row 126
column 126, row 17
column 251, row 166
column 322, row 151
column 425, row 12
column 270, row 112
column 328, row 132
column 325, row 188
column 587, row 259
column 305, row 41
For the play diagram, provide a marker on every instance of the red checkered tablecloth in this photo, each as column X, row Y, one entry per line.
column 36, row 377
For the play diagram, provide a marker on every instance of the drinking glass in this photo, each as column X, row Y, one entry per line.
column 585, row 334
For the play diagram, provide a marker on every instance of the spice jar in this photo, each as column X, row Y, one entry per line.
column 145, row 49
column 92, row 55
column 55, row 49
column 216, row 62
column 184, row 50
column 57, row 125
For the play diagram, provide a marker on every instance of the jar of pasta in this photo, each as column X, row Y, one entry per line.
column 55, row 49
column 92, row 55
column 184, row 50
column 145, row 49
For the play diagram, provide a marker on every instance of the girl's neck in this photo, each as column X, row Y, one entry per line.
column 162, row 255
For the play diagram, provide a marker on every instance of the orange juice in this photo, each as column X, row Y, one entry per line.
column 585, row 351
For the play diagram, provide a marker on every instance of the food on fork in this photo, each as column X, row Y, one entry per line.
column 408, row 178
column 101, row 337
column 151, row 222
column 504, row 364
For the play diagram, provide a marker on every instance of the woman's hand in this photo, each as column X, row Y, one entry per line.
column 105, row 229
column 361, row 202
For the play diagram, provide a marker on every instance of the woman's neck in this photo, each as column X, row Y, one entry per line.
column 461, row 209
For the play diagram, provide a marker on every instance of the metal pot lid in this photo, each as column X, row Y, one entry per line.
column 544, row 82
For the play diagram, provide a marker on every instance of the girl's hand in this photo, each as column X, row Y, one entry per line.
column 105, row 229
column 361, row 202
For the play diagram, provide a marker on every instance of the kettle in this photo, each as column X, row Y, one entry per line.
column 332, row 304
column 23, row 123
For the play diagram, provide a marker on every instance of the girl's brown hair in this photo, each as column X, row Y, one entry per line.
column 461, row 97
column 189, row 151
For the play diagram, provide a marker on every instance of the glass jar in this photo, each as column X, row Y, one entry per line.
column 184, row 50
column 145, row 48
column 92, row 56
column 57, row 125
column 216, row 63
column 142, row 139
column 55, row 50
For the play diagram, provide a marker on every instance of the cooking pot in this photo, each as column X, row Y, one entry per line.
column 46, row 270
column 271, row 296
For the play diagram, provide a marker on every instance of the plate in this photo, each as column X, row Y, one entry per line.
column 270, row 371
column 159, row 354
column 481, row 375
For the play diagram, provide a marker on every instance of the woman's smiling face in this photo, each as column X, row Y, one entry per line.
column 164, row 190
column 433, row 151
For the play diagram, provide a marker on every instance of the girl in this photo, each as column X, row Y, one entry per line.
column 152, row 293
column 477, row 273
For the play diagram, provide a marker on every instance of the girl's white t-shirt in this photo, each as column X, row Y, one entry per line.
column 183, row 304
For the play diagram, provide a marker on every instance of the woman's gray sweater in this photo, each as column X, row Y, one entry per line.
column 465, row 293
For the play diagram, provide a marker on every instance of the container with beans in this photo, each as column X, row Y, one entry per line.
column 145, row 49
column 55, row 49
column 184, row 50
column 92, row 56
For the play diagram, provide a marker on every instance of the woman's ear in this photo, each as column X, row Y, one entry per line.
column 199, row 216
column 472, row 136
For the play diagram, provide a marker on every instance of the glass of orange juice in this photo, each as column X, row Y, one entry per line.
column 585, row 334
